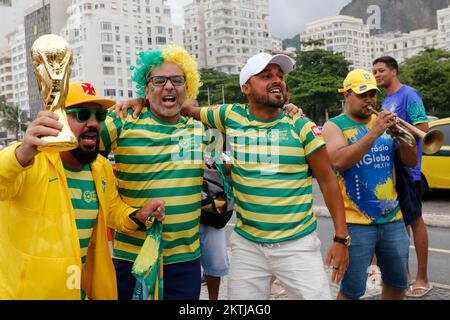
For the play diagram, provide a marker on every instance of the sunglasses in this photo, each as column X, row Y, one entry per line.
column 160, row 81
column 84, row 114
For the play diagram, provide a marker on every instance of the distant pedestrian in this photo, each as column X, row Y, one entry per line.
column 407, row 103
column 213, row 240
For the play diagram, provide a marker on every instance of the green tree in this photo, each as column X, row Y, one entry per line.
column 312, row 42
column 220, row 86
column 429, row 73
column 9, row 118
column 314, row 83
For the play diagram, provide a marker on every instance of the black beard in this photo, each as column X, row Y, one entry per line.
column 265, row 100
column 87, row 156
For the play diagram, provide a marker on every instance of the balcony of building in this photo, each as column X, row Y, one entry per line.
column 224, row 54
column 224, row 38
column 225, row 64
column 222, row 5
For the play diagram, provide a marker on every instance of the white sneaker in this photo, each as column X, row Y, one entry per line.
column 374, row 281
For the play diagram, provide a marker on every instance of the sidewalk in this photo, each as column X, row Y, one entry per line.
column 439, row 292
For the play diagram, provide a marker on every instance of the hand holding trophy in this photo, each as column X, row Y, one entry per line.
column 52, row 57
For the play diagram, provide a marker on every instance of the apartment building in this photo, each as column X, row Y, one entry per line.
column 443, row 19
column 344, row 34
column 402, row 46
column 5, row 59
column 377, row 46
column 11, row 16
column 223, row 34
column 18, row 51
column 277, row 44
column 46, row 16
column 107, row 36
column 6, row 81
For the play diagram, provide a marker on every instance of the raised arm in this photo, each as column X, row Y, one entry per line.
column 122, row 108
column 15, row 160
column 46, row 124
column 191, row 109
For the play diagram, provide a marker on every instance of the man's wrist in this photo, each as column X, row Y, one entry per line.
column 135, row 219
column 24, row 156
column 343, row 240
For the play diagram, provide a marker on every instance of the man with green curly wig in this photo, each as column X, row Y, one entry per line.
column 161, row 153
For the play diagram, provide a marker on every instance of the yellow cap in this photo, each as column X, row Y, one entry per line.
column 84, row 92
column 359, row 81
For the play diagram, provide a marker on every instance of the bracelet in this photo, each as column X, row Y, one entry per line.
column 133, row 217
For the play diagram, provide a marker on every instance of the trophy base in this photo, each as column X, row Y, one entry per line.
column 59, row 144
column 58, row 147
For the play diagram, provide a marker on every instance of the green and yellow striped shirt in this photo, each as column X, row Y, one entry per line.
column 85, row 204
column 156, row 159
column 271, row 176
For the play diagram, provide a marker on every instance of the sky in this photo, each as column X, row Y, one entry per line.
column 287, row 17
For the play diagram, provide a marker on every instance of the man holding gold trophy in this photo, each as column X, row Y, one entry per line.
column 56, row 205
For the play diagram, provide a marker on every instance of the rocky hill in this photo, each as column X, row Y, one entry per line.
column 398, row 15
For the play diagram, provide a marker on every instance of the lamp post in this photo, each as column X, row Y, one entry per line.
column 223, row 95
column 19, row 121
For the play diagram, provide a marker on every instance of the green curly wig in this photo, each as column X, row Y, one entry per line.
column 171, row 53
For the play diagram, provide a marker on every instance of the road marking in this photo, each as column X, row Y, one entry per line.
column 434, row 250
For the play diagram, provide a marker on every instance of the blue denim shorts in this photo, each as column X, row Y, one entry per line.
column 390, row 243
column 213, row 244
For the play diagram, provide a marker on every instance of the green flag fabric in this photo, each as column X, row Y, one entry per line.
column 148, row 266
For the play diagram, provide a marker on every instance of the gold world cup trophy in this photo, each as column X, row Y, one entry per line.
column 51, row 57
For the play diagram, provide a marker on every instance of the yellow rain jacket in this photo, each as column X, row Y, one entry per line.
column 39, row 245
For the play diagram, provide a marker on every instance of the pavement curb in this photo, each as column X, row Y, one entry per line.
column 431, row 219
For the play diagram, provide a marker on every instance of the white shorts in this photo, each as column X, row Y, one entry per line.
column 297, row 264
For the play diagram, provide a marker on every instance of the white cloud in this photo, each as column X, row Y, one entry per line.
column 177, row 7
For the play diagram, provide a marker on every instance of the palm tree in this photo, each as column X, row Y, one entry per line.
column 9, row 118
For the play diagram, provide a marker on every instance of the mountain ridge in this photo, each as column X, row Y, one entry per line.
column 398, row 15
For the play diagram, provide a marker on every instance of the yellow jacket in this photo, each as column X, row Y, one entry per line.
column 39, row 245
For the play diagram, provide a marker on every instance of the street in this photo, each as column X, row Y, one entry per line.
column 438, row 257
column 436, row 202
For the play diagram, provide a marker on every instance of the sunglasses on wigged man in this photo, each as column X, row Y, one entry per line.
column 84, row 114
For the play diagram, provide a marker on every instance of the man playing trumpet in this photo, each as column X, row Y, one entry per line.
column 363, row 154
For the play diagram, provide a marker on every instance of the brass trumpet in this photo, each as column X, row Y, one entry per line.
column 431, row 141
